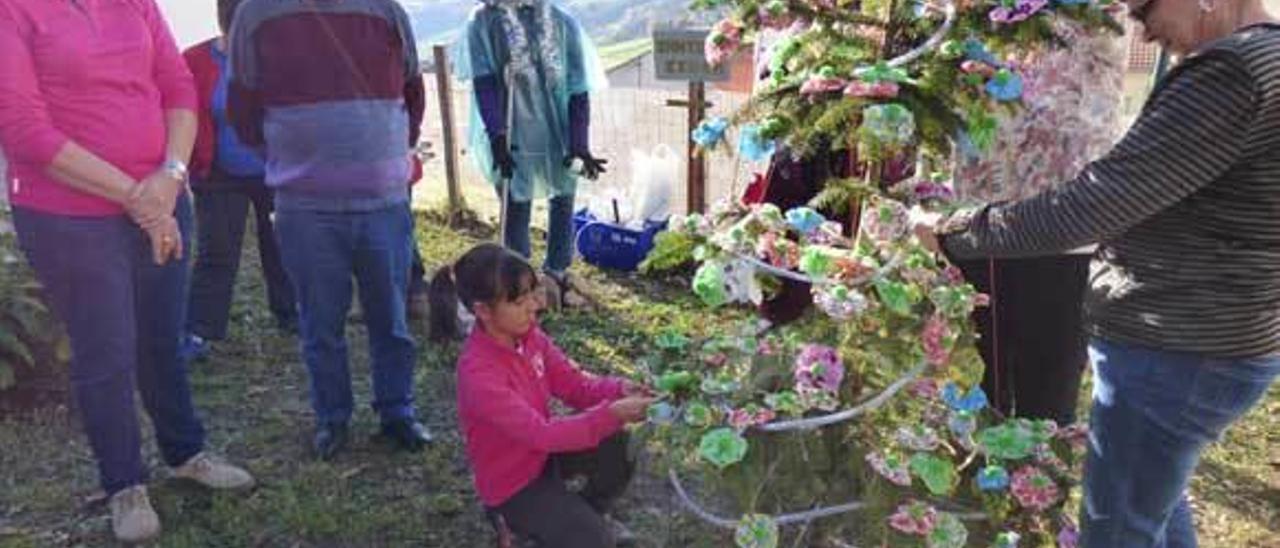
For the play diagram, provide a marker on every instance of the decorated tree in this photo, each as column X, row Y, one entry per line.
column 865, row 419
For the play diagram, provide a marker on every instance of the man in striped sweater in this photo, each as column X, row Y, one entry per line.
column 1184, row 303
column 331, row 91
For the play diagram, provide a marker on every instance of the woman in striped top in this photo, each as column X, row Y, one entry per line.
column 1184, row 299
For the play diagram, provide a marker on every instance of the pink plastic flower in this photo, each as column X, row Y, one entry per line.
column 954, row 275
column 724, row 39
column 746, row 417
column 935, row 340
column 914, row 518
column 817, row 84
column 891, row 468
column 982, row 299
column 977, row 67
column 1034, row 489
column 779, row 252
column 1021, row 10
column 818, row 369
column 925, row 389
column 876, row 90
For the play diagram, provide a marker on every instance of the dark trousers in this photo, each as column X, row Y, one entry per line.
column 1032, row 335
column 548, row 513
column 124, row 315
column 220, row 226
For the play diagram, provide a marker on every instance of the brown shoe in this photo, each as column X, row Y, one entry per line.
column 133, row 519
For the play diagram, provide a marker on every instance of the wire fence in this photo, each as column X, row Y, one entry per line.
column 622, row 119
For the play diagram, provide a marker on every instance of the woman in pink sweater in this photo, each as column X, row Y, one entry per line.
column 97, row 117
column 508, row 374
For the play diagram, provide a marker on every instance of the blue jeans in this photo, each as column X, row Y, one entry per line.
column 560, row 235
column 124, row 315
column 1153, row 413
column 322, row 251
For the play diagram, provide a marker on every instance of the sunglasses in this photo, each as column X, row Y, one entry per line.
column 1140, row 12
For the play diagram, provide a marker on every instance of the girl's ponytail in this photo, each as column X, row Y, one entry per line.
column 442, row 297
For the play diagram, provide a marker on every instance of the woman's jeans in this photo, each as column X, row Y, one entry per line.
column 124, row 315
column 560, row 235
column 1153, row 413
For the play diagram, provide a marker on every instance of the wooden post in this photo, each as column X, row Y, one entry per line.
column 444, row 90
column 696, row 173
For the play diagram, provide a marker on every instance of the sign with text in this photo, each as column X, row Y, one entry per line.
column 678, row 55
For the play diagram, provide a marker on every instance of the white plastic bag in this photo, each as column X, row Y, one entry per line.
column 653, row 179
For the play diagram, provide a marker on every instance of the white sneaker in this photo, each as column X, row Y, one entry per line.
column 132, row 517
column 213, row 473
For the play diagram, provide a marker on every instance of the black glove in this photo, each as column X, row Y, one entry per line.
column 592, row 167
column 502, row 158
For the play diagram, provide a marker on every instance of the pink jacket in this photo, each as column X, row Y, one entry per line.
column 504, row 398
column 101, row 75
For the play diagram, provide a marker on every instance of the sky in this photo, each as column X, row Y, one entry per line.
column 190, row 20
column 196, row 20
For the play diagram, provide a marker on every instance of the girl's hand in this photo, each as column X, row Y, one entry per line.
column 632, row 388
column 631, row 409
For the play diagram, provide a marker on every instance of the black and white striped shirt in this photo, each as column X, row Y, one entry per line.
column 1186, row 209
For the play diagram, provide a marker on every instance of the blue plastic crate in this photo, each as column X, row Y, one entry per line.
column 607, row 245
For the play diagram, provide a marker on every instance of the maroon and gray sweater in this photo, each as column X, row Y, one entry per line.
column 332, row 92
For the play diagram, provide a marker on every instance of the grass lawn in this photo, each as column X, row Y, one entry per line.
column 252, row 392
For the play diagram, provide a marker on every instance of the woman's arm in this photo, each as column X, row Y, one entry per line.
column 1192, row 132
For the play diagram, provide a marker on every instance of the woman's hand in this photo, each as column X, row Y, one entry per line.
column 631, row 408
column 153, row 199
column 166, row 240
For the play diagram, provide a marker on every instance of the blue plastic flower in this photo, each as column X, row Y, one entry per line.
column 1006, row 86
column 972, row 402
column 993, row 478
column 710, row 132
column 805, row 219
column 975, row 50
column 753, row 146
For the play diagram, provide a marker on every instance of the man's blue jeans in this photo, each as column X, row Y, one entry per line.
column 560, row 236
column 322, row 252
column 1153, row 413
column 124, row 315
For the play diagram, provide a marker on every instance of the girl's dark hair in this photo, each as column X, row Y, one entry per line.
column 226, row 13
column 488, row 273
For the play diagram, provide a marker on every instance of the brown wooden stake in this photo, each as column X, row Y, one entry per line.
column 444, row 91
column 696, row 173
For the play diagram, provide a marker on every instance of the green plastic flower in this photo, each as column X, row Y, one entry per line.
column 722, row 447
column 815, row 263
column 676, row 381
column 1008, row 441
column 719, row 385
column 784, row 403
column 756, row 531
column 709, row 284
column 938, row 474
column 672, row 340
column 948, row 533
column 898, row 297
column 699, row 415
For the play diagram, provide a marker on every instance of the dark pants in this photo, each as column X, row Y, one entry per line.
column 323, row 251
column 560, row 234
column 1032, row 335
column 220, row 225
column 124, row 315
column 548, row 513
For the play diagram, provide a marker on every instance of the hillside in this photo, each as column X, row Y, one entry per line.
column 607, row 21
